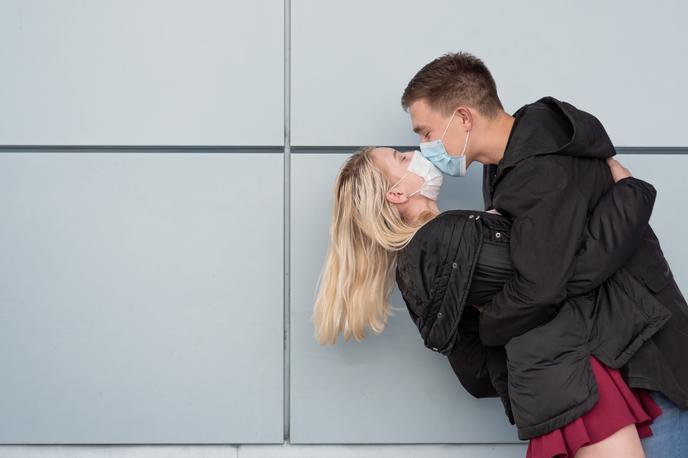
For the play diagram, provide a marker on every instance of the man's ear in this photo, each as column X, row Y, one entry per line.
column 465, row 116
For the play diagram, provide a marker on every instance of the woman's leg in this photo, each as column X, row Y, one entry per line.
column 669, row 431
column 624, row 443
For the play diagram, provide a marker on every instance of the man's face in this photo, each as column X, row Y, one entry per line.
column 430, row 123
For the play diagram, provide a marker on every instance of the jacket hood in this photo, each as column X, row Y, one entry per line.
column 551, row 126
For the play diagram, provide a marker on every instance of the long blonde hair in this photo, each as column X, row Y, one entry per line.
column 366, row 231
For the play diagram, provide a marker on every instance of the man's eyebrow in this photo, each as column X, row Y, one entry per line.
column 417, row 129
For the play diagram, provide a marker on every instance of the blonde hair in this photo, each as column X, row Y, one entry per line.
column 366, row 231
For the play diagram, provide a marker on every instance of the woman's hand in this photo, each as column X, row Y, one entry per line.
column 619, row 172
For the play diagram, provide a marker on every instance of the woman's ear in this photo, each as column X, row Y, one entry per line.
column 396, row 197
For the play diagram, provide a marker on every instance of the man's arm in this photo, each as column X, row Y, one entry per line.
column 612, row 234
column 613, row 230
column 549, row 216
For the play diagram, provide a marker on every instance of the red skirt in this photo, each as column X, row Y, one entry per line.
column 618, row 406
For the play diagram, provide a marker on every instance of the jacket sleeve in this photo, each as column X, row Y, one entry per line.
column 469, row 358
column 612, row 234
column 481, row 370
column 497, row 368
column 548, row 219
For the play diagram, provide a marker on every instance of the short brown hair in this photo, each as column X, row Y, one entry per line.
column 452, row 80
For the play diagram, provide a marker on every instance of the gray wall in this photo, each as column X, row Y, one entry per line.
column 618, row 59
column 166, row 170
column 151, row 72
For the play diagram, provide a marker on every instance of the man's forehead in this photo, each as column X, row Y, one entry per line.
column 422, row 112
column 421, row 116
column 419, row 106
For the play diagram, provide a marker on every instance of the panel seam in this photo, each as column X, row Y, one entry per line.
column 287, row 221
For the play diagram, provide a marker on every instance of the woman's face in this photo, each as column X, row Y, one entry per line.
column 394, row 164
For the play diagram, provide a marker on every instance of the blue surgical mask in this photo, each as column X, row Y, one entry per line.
column 436, row 153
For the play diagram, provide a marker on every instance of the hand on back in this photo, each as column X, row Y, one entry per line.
column 619, row 172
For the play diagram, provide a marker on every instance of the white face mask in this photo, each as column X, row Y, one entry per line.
column 431, row 175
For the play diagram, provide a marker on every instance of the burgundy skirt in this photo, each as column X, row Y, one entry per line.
column 618, row 406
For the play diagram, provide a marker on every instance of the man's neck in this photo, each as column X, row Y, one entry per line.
column 493, row 145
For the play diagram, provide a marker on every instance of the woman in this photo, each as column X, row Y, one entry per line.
column 375, row 219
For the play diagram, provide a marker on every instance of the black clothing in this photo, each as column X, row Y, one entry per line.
column 551, row 315
column 544, row 375
column 492, row 270
column 548, row 181
column 552, row 174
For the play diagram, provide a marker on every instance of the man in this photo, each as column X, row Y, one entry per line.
column 544, row 167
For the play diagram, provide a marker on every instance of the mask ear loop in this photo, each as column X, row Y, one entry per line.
column 465, row 144
column 448, row 124
column 397, row 183
column 468, row 134
column 408, row 196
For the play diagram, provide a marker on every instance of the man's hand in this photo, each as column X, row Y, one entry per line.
column 619, row 172
column 479, row 307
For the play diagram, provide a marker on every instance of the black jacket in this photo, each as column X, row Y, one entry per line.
column 552, row 174
column 434, row 274
column 565, row 181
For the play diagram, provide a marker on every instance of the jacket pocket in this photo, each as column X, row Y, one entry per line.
column 625, row 315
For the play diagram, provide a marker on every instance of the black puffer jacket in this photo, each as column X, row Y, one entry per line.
column 434, row 274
